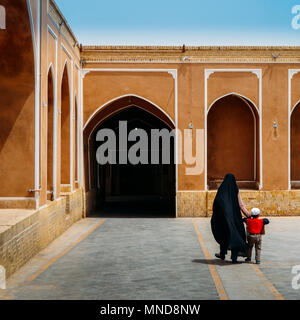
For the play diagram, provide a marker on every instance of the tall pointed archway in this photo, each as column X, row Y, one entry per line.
column 50, row 131
column 76, row 144
column 129, row 189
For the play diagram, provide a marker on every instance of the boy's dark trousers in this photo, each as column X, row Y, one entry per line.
column 254, row 240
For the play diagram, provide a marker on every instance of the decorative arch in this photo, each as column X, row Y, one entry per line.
column 125, row 96
column 116, row 105
column 238, row 95
column 50, row 67
column 65, row 66
column 99, row 179
column 294, row 107
column 233, row 140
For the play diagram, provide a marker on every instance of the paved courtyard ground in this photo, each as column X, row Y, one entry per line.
column 156, row 258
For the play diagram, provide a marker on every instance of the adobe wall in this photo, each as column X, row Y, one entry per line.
column 61, row 57
column 17, row 89
column 232, row 71
column 101, row 87
column 19, row 146
column 159, row 88
column 24, row 141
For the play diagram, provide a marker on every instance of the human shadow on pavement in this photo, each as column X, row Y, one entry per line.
column 216, row 262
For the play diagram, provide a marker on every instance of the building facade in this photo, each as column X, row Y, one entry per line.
column 55, row 94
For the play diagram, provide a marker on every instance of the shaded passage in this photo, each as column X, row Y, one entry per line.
column 124, row 183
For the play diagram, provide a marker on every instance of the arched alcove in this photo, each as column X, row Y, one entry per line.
column 65, row 130
column 76, row 140
column 17, row 110
column 233, row 142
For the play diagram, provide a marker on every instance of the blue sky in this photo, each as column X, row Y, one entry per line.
column 174, row 22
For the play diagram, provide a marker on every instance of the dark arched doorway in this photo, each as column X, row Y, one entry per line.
column 50, row 140
column 76, row 140
column 232, row 142
column 132, row 190
column 295, row 148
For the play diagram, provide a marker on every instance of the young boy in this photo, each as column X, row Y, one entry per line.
column 255, row 227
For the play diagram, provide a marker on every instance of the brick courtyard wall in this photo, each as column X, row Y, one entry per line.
column 271, row 203
column 24, row 240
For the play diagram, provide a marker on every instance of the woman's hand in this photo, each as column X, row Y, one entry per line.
column 243, row 208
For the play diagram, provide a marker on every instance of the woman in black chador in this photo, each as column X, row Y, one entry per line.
column 226, row 222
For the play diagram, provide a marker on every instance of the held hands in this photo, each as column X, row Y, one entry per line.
column 247, row 214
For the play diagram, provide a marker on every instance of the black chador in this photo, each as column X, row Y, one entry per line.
column 226, row 223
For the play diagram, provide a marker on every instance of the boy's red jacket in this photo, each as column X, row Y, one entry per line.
column 255, row 225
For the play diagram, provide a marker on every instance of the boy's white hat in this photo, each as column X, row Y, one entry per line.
column 255, row 212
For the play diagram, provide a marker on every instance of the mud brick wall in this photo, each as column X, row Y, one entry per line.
column 24, row 240
column 271, row 203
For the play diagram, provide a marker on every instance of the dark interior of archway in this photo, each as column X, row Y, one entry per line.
column 232, row 142
column 76, row 142
column 65, row 129
column 50, row 137
column 142, row 190
column 295, row 148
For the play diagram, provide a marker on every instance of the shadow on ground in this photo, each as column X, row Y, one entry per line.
column 216, row 262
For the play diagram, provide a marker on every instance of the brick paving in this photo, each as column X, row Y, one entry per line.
column 155, row 259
